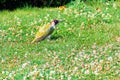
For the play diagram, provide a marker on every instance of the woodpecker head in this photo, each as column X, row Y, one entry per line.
column 55, row 22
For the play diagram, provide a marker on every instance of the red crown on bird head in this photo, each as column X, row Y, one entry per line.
column 55, row 21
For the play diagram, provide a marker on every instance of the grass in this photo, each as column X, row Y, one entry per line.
column 86, row 46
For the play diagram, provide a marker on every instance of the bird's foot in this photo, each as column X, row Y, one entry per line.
column 48, row 38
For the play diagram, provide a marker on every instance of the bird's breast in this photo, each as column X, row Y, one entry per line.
column 51, row 30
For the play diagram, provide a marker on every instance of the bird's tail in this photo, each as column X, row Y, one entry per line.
column 33, row 41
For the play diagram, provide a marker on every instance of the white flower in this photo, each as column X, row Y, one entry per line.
column 101, row 61
column 19, row 69
column 52, row 72
column 41, row 75
column 92, row 63
column 96, row 72
column 25, row 64
column 61, row 76
column 24, row 78
column 110, row 58
column 107, row 4
column 10, row 75
column 69, row 77
column 18, row 23
column 114, row 6
column 3, row 60
column 3, row 72
column 1, row 78
column 5, row 79
column 26, row 55
column 48, row 15
column 106, row 8
column 87, row 72
column 39, row 20
column 94, row 51
column 75, row 69
column 103, row 15
column 99, row 67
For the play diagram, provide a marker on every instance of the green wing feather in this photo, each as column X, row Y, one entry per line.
column 42, row 33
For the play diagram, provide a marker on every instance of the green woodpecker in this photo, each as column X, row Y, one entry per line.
column 45, row 31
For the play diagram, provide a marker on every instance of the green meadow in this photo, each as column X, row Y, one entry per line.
column 85, row 46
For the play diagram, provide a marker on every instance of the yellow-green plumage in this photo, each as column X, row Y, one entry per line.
column 43, row 33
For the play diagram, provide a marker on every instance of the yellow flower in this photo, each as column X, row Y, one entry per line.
column 62, row 7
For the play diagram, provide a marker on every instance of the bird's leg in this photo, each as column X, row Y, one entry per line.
column 49, row 37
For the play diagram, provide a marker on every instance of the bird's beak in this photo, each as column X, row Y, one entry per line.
column 61, row 20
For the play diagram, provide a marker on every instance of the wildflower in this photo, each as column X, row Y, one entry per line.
column 87, row 72
column 103, row 15
column 99, row 68
column 107, row 4
column 117, row 72
column 110, row 58
column 26, row 55
column 26, row 34
column 75, row 69
column 114, row 6
column 118, row 39
column 101, row 61
column 75, row 11
column 1, row 78
column 18, row 23
column 95, row 72
column 10, row 75
column 9, row 39
column 94, row 46
column 21, row 31
column 52, row 72
column 94, row 51
column 11, row 29
column 61, row 76
column 3, row 72
column 33, row 73
column 41, row 75
column 106, row 8
column 48, row 15
column 76, row 15
column 2, row 61
column 62, row 7
column 69, row 77
column 25, row 77
column 39, row 20
column 5, row 79
column 98, row 9
column 25, row 64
